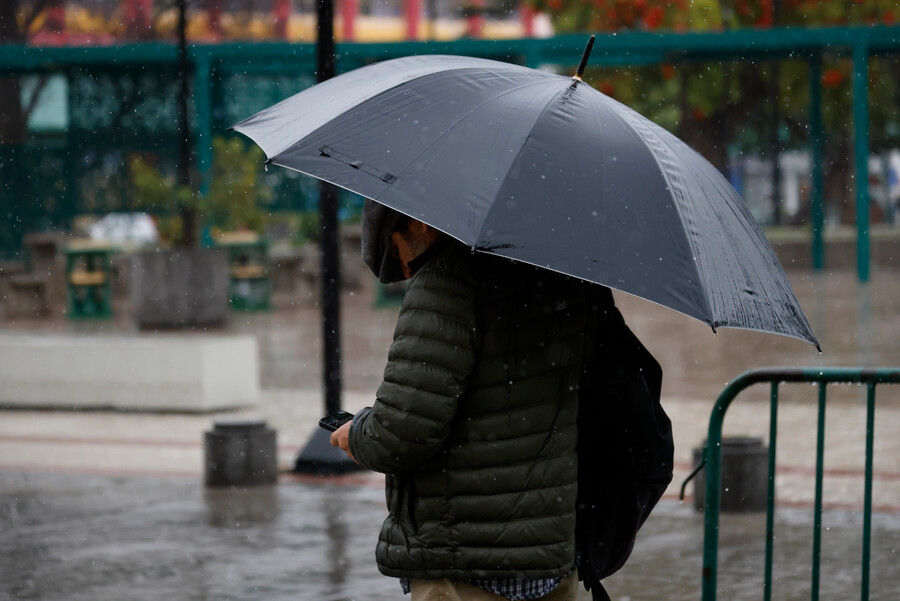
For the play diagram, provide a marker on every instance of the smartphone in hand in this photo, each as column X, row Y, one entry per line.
column 335, row 420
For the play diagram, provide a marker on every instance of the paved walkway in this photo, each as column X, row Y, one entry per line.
column 82, row 537
column 136, row 444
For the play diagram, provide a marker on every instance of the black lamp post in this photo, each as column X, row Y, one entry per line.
column 319, row 457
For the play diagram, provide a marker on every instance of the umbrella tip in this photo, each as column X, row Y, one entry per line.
column 584, row 58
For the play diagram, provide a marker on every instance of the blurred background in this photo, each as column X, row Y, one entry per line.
column 90, row 125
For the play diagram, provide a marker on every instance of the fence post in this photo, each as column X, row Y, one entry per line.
column 817, row 187
column 713, row 458
column 861, row 146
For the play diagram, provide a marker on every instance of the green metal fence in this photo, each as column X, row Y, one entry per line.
column 712, row 461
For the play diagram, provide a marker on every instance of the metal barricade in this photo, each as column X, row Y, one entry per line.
column 712, row 461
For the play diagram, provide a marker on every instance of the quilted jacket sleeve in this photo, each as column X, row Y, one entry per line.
column 429, row 363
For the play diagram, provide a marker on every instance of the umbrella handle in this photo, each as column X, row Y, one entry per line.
column 584, row 58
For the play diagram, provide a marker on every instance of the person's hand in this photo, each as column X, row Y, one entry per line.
column 341, row 438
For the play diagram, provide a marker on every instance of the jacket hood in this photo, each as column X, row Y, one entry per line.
column 378, row 223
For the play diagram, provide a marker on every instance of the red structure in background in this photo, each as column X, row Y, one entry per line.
column 139, row 19
column 54, row 32
column 348, row 10
column 475, row 21
column 412, row 10
column 213, row 10
column 56, row 16
column 281, row 11
column 526, row 15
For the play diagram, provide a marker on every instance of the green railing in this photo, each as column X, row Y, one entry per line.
column 712, row 461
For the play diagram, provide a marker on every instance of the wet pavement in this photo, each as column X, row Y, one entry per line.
column 104, row 505
column 97, row 538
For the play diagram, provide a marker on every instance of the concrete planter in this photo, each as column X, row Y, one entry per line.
column 179, row 289
column 166, row 372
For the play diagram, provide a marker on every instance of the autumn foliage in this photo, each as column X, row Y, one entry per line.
column 682, row 15
column 54, row 22
column 91, row 22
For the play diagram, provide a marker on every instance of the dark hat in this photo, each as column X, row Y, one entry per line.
column 378, row 223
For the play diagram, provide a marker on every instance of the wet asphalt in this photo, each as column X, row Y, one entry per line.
column 98, row 538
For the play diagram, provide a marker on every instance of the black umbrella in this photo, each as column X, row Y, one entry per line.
column 541, row 168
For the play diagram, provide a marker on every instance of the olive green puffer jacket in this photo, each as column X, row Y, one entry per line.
column 474, row 423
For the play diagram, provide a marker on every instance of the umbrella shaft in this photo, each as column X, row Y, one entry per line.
column 325, row 40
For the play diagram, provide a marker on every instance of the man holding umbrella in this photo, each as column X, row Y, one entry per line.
column 475, row 421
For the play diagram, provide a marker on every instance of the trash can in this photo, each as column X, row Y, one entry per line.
column 240, row 453
column 745, row 472
column 88, row 280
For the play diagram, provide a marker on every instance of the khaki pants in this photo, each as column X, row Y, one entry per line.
column 447, row 590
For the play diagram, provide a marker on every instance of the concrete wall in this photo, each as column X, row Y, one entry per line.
column 150, row 373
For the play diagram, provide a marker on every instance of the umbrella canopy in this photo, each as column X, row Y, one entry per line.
column 540, row 168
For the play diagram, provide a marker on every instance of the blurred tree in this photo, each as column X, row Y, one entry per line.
column 715, row 106
column 235, row 200
column 679, row 15
column 15, row 20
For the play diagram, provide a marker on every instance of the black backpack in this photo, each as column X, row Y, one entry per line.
column 625, row 449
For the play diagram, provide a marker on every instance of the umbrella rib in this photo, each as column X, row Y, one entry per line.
column 567, row 89
column 247, row 125
column 677, row 196
column 462, row 118
column 370, row 99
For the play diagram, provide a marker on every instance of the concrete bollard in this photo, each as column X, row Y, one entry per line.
column 240, row 453
column 744, row 475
